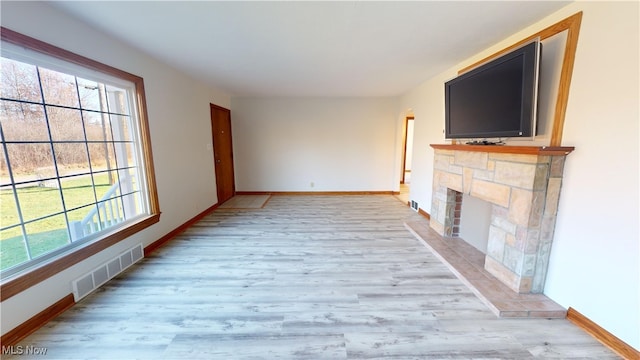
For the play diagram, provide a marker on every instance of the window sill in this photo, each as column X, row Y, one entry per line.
column 15, row 285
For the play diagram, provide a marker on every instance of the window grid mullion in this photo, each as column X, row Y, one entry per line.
column 86, row 146
column 70, row 176
column 53, row 150
column 15, row 197
column 58, row 106
column 115, row 154
column 27, row 222
column 104, row 105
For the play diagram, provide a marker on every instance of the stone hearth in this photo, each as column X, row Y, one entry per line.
column 523, row 185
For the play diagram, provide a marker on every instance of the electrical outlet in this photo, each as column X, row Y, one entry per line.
column 312, row 184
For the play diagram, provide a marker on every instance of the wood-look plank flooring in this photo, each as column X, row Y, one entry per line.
column 467, row 263
column 305, row 277
column 404, row 194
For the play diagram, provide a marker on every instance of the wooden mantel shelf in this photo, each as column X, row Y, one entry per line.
column 508, row 149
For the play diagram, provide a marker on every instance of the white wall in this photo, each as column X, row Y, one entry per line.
column 427, row 104
column 178, row 109
column 338, row 144
column 595, row 260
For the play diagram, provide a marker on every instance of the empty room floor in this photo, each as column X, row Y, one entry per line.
column 305, row 277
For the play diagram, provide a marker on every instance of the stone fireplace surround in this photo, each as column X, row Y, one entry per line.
column 523, row 185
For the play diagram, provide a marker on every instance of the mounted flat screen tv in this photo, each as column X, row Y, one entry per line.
column 498, row 99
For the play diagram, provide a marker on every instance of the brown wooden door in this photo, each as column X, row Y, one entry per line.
column 222, row 152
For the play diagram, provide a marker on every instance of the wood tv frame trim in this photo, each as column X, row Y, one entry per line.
column 572, row 26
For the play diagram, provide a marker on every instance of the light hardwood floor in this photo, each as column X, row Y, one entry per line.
column 404, row 194
column 305, row 277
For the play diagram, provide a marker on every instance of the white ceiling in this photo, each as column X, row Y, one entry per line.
column 350, row 48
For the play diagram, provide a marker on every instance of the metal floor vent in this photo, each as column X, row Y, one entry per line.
column 105, row 272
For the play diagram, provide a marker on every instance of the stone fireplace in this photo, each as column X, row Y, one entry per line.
column 523, row 185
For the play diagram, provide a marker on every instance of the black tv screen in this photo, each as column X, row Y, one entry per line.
column 497, row 99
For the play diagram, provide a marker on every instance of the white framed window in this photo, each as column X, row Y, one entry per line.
column 76, row 170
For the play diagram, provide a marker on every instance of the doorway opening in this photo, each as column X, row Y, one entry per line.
column 407, row 152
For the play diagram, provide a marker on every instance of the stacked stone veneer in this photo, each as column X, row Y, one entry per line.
column 524, row 191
